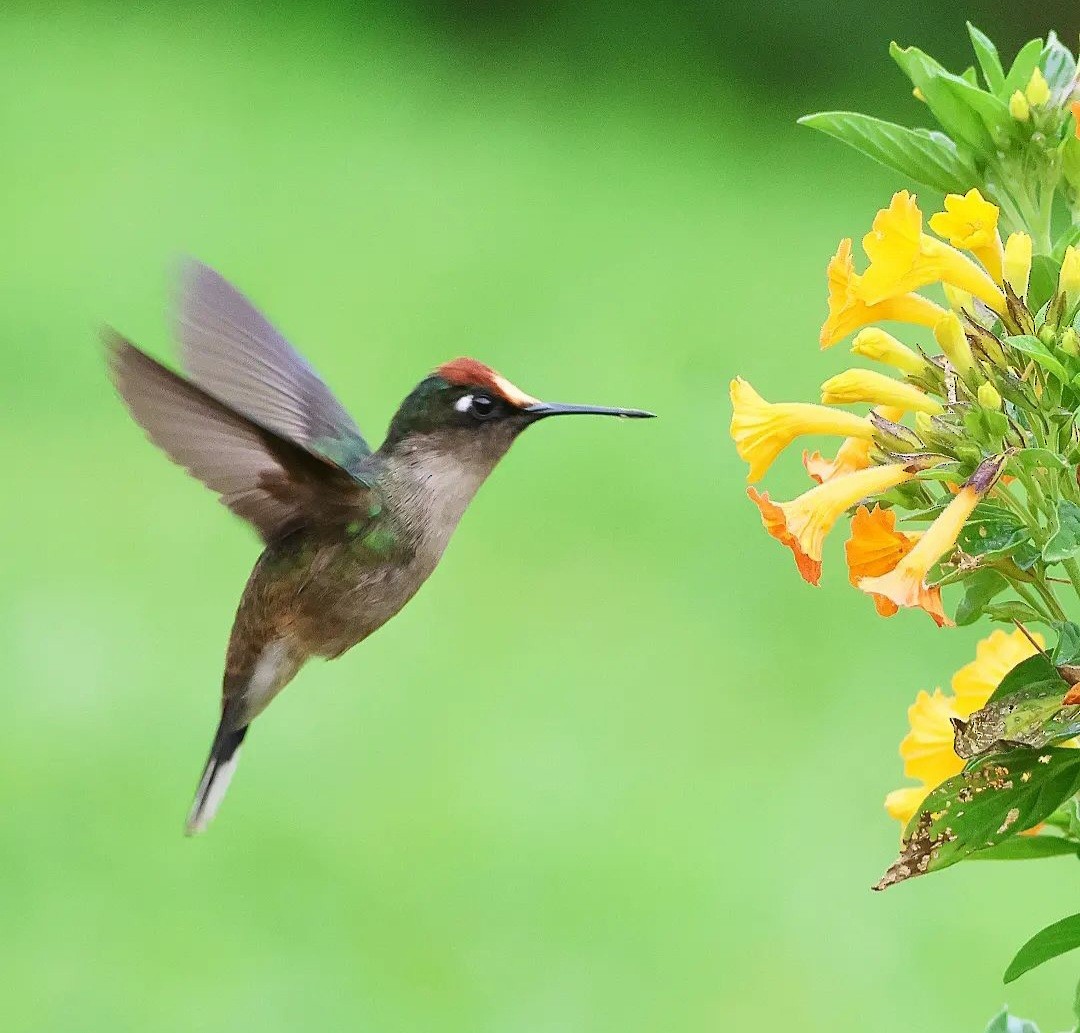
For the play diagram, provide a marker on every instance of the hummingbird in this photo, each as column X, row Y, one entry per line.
column 350, row 533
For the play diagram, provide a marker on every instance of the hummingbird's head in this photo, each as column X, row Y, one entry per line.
column 468, row 410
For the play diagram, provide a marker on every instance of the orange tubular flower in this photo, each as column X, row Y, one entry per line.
column 803, row 523
column 874, row 548
column 762, row 430
column 848, row 311
column 905, row 584
column 903, row 259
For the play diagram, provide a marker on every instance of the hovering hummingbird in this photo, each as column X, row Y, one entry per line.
column 350, row 534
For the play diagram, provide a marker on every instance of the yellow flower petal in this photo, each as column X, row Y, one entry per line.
column 903, row 259
column 927, row 750
column 848, row 312
column 1019, row 107
column 970, row 222
column 866, row 385
column 803, row 523
column 762, row 430
column 1069, row 278
column 902, row 804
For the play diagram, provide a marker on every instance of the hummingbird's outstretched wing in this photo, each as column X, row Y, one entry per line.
column 233, row 353
column 270, row 481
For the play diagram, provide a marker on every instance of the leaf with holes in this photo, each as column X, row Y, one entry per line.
column 989, row 802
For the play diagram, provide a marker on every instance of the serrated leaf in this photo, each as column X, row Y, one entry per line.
column 1028, row 848
column 1032, row 346
column 1053, row 941
column 1023, row 65
column 989, row 802
column 936, row 84
column 1064, row 543
column 987, row 56
column 923, row 156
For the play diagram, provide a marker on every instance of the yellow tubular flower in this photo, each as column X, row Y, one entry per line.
column 1018, row 263
column 866, row 385
column 1038, row 91
column 853, row 454
column 1069, row 278
column 762, row 430
column 906, row 584
column 903, row 258
column 875, row 344
column 950, row 336
column 803, row 523
column 927, row 749
column 848, row 312
column 1018, row 107
column 970, row 222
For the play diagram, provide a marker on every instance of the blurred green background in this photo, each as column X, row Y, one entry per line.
column 616, row 768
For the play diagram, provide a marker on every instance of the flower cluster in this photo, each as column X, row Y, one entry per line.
column 957, row 467
column 943, row 427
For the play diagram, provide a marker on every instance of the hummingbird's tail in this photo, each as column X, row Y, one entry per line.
column 215, row 778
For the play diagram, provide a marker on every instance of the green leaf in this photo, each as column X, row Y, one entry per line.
column 992, row 536
column 1036, row 459
column 1065, row 542
column 1012, row 611
column 990, row 801
column 1037, row 668
column 1024, row 64
column 993, row 112
column 936, row 84
column 1006, row 1023
column 1057, row 63
column 1067, row 650
column 1043, row 281
column 1028, row 848
column 1039, row 352
column 987, row 56
column 980, row 588
column 1067, row 239
column 1051, row 942
column 926, row 157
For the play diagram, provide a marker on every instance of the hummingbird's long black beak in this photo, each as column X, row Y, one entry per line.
column 540, row 410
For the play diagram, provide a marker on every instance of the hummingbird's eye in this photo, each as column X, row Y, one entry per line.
column 481, row 407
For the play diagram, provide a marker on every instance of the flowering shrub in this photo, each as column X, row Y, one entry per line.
column 961, row 484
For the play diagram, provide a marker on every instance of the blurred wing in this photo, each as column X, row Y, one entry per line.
column 232, row 352
column 271, row 482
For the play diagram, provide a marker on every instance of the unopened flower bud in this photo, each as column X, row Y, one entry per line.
column 1069, row 279
column 949, row 333
column 1018, row 107
column 876, row 344
column 1017, row 263
column 1037, row 92
column 1070, row 342
column 989, row 397
column 959, row 300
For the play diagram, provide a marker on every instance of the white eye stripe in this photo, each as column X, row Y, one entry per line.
column 463, row 403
